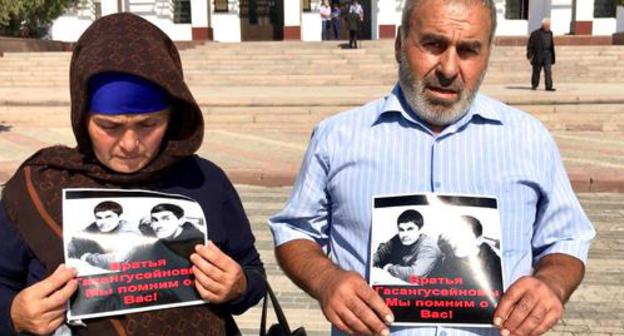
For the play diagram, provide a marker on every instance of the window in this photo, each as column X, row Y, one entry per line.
column 221, row 6
column 604, row 8
column 517, row 9
column 181, row 11
column 307, row 5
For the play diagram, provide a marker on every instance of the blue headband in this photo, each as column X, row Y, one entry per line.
column 115, row 93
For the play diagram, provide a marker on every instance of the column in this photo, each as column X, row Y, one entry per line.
column 582, row 17
column 292, row 19
column 225, row 22
column 386, row 18
column 561, row 16
column 200, row 27
column 109, row 7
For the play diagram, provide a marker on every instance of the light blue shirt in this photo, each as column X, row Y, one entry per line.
column 383, row 148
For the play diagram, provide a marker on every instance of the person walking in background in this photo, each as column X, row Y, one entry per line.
column 335, row 20
column 356, row 8
column 355, row 16
column 541, row 53
column 325, row 20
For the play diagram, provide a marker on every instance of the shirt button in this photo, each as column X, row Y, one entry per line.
column 437, row 185
column 442, row 333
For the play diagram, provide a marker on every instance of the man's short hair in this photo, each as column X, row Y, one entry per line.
column 176, row 210
column 545, row 20
column 411, row 4
column 108, row 206
column 474, row 224
column 411, row 216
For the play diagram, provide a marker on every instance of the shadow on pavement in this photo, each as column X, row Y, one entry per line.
column 5, row 128
column 512, row 87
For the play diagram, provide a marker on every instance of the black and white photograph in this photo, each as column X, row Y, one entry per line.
column 131, row 249
column 436, row 258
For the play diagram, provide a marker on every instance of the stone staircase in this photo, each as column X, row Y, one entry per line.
column 312, row 64
column 295, row 69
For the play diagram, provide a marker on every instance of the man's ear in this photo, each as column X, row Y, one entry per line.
column 397, row 46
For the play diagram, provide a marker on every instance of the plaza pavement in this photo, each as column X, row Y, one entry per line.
column 259, row 134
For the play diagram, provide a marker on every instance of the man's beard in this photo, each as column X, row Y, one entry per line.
column 434, row 111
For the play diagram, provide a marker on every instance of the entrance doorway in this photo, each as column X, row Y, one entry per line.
column 262, row 20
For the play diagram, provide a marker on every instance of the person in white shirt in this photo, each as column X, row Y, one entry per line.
column 325, row 11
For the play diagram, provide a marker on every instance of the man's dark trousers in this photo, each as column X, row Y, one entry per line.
column 537, row 69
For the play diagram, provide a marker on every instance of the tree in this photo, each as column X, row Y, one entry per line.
column 30, row 18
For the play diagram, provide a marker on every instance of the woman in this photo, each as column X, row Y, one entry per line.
column 137, row 126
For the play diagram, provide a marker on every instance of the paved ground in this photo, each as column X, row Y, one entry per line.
column 259, row 134
column 596, row 308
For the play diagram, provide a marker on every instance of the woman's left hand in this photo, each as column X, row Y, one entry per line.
column 218, row 278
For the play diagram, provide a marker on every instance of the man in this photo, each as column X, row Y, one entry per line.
column 434, row 133
column 409, row 253
column 354, row 18
column 467, row 256
column 168, row 224
column 94, row 244
column 356, row 8
column 541, row 53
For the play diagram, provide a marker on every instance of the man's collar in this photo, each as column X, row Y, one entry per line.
column 395, row 103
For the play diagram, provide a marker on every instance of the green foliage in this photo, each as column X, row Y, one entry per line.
column 620, row 2
column 30, row 18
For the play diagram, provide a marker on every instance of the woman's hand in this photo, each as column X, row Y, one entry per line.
column 218, row 278
column 40, row 308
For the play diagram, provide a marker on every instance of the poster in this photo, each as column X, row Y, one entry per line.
column 436, row 258
column 131, row 249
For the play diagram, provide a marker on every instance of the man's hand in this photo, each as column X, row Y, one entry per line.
column 218, row 278
column 529, row 307
column 352, row 306
column 346, row 299
column 40, row 308
column 533, row 304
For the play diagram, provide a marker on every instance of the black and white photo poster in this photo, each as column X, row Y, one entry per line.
column 436, row 258
column 131, row 249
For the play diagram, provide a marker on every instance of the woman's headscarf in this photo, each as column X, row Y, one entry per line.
column 122, row 43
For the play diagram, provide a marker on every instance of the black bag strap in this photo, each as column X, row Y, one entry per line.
column 279, row 313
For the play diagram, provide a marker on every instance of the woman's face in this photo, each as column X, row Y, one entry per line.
column 126, row 143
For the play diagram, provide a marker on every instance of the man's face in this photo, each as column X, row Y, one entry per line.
column 126, row 143
column 408, row 233
column 443, row 58
column 106, row 221
column 165, row 224
column 546, row 25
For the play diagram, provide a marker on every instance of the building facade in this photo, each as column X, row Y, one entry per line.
column 247, row 20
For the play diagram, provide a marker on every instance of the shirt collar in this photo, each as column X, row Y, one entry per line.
column 481, row 107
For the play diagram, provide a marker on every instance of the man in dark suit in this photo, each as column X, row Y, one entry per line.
column 541, row 53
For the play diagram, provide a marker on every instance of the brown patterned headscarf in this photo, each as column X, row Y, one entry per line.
column 122, row 43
